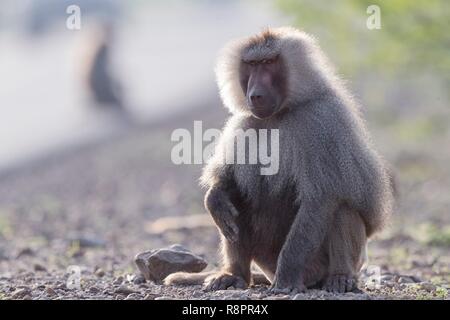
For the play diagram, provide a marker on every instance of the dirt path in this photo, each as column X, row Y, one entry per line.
column 90, row 211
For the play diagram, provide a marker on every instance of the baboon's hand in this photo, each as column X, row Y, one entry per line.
column 225, row 218
column 223, row 212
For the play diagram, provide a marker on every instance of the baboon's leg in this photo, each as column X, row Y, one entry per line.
column 303, row 243
column 346, row 244
column 236, row 267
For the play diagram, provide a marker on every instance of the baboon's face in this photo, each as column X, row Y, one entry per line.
column 264, row 85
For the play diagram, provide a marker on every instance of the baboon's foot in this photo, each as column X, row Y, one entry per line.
column 341, row 283
column 285, row 285
column 222, row 281
column 291, row 290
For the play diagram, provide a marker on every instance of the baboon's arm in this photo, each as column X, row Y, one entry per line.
column 303, row 240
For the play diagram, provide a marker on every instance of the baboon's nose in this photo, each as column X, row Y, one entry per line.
column 256, row 99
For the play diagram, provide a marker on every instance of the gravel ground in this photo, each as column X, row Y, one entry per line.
column 84, row 215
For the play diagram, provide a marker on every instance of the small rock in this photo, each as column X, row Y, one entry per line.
column 25, row 252
column 21, row 293
column 50, row 292
column 39, row 267
column 196, row 294
column 133, row 296
column 94, row 290
column 118, row 280
column 125, row 290
column 139, row 279
column 62, row 286
column 405, row 279
column 99, row 272
column 151, row 296
column 259, row 296
column 387, row 278
column 155, row 265
column 427, row 286
column 416, row 279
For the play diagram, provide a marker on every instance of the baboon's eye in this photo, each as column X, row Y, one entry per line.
column 269, row 61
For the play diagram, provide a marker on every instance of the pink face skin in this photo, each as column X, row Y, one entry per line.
column 264, row 85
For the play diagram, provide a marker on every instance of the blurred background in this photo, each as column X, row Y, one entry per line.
column 86, row 117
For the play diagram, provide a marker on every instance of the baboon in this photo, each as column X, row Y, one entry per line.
column 103, row 86
column 308, row 225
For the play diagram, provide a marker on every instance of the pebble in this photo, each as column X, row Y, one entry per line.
column 125, row 290
column 151, row 296
column 387, row 278
column 139, row 279
column 25, row 252
column 21, row 293
column 157, row 264
column 405, row 279
column 94, row 289
column 133, row 296
column 99, row 272
column 197, row 294
column 50, row 292
column 39, row 267
column 427, row 286
column 118, row 280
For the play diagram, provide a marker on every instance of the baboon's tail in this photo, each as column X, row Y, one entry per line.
column 189, row 279
column 186, row 278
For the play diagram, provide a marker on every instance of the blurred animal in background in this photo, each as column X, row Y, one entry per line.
column 103, row 85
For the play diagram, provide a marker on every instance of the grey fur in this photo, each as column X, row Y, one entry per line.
column 308, row 224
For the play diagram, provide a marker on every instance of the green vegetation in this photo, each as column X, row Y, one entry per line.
column 434, row 235
column 413, row 37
